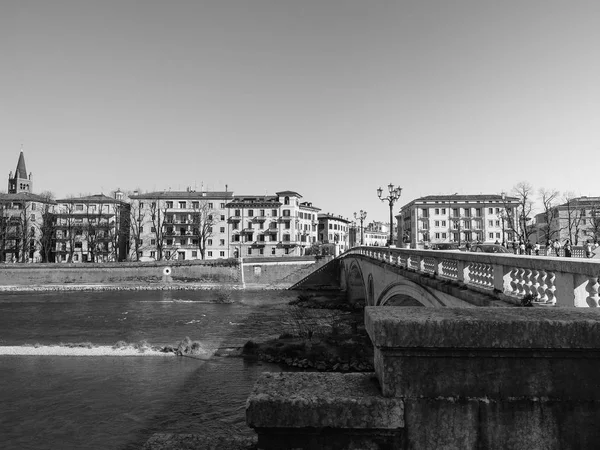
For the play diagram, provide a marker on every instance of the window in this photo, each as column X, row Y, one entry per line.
column 78, row 207
column 221, row 254
column 152, row 241
column 196, row 205
column 250, row 213
column 491, row 223
column 221, row 242
column 209, row 253
column 444, row 235
column 274, row 212
column 443, row 223
column 182, row 241
column 437, row 211
column 152, row 254
column 425, row 212
column 169, row 241
column 477, row 212
column 425, row 225
column 222, row 230
column 287, row 226
column 491, row 235
column 286, row 213
column 222, row 217
column 455, row 224
column 467, row 212
column 437, row 235
column 497, row 223
column 237, row 212
column 261, row 251
column 153, row 229
column 262, row 213
column 437, row 223
column 497, row 210
column 32, row 217
column 194, row 253
column 443, row 211
column 235, row 226
column 210, row 205
column 249, row 250
column 455, row 212
column 467, row 225
column 286, row 201
column 490, row 210
column 182, row 205
column 209, row 242
column 33, row 206
column 169, row 204
column 222, row 205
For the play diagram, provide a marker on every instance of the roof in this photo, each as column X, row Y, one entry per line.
column 21, row 170
column 183, row 195
column 460, row 198
column 309, row 206
column 582, row 201
column 255, row 201
column 288, row 193
column 96, row 198
column 25, row 196
column 332, row 217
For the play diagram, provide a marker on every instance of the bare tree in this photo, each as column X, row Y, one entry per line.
column 161, row 225
column 518, row 220
column 574, row 216
column 47, row 228
column 202, row 221
column 136, row 218
column 550, row 213
column 593, row 230
column 68, row 229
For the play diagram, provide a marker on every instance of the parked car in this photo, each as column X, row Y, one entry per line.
column 445, row 246
column 489, row 248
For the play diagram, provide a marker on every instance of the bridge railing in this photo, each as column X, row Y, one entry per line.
column 549, row 280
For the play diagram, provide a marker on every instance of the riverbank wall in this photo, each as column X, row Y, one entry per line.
column 231, row 273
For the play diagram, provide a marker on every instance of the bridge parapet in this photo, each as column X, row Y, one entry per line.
column 549, row 280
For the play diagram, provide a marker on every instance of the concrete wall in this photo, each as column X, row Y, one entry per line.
column 279, row 272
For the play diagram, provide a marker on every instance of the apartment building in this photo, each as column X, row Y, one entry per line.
column 169, row 225
column 457, row 218
column 92, row 228
column 577, row 220
column 334, row 232
column 271, row 225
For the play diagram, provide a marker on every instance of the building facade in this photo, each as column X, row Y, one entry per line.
column 457, row 218
column 334, row 233
column 273, row 225
column 93, row 228
column 180, row 225
column 577, row 220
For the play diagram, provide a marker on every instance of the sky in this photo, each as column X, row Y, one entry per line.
column 328, row 98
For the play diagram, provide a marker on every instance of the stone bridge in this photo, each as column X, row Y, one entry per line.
column 453, row 376
column 408, row 277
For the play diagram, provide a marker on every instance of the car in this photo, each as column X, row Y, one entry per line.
column 489, row 248
column 445, row 246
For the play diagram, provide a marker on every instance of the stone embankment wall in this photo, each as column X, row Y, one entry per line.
column 263, row 272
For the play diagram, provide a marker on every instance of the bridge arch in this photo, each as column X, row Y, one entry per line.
column 408, row 293
column 355, row 285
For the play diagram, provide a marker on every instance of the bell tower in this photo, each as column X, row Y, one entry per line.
column 21, row 182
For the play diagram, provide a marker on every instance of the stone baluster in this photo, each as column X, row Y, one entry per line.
column 527, row 282
column 514, row 283
column 543, row 280
column 592, row 288
column 520, row 282
column 535, row 285
column 550, row 287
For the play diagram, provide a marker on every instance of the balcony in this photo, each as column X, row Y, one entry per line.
column 234, row 219
column 259, row 219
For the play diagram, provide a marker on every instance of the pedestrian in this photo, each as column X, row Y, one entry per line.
column 588, row 249
column 567, row 248
column 468, row 246
column 528, row 247
column 536, row 248
column 514, row 246
column 556, row 246
column 497, row 243
column 521, row 248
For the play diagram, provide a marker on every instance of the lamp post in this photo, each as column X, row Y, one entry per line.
column 361, row 216
column 391, row 198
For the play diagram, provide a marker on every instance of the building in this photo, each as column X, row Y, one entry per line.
column 578, row 220
column 377, row 234
column 93, row 228
column 167, row 225
column 334, row 233
column 25, row 220
column 275, row 225
column 457, row 218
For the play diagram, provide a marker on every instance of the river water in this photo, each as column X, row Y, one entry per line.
column 117, row 402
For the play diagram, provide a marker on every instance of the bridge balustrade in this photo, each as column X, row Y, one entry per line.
column 547, row 280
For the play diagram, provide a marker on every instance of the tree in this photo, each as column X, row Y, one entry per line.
column 68, row 229
column 47, row 229
column 549, row 213
column 519, row 218
column 574, row 216
column 159, row 219
column 136, row 218
column 593, row 230
column 202, row 221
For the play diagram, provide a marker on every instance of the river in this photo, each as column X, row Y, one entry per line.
column 117, row 402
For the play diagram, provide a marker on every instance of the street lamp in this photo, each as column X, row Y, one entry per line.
column 361, row 216
column 391, row 198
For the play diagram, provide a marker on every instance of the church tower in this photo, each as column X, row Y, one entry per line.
column 21, row 182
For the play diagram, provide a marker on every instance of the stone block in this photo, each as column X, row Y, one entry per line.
column 312, row 410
